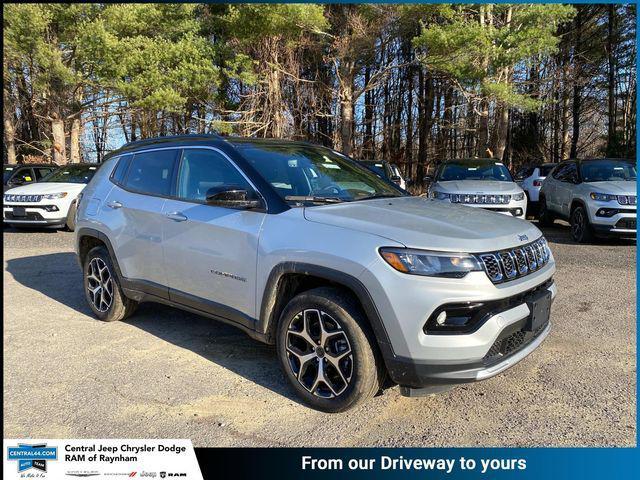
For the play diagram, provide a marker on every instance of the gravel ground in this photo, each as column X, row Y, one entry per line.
column 169, row 374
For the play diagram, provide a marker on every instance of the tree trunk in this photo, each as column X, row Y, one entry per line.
column 346, row 109
column 502, row 129
column 59, row 150
column 611, row 81
column 74, row 141
column 10, row 140
column 577, row 88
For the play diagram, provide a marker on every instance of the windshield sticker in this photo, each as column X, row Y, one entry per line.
column 292, row 163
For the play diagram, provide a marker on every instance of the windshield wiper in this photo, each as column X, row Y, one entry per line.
column 312, row 199
column 377, row 195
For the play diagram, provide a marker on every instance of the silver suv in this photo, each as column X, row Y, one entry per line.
column 299, row 246
column 597, row 197
column 478, row 182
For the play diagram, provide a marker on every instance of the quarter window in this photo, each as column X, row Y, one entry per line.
column 203, row 170
column 152, row 172
column 121, row 169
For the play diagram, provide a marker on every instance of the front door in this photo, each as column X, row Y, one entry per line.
column 210, row 251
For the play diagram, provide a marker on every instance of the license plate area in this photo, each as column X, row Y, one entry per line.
column 539, row 305
column 19, row 212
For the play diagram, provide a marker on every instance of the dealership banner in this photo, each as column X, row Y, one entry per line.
column 113, row 458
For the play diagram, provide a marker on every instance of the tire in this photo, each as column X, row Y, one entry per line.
column 102, row 288
column 581, row 229
column 70, row 225
column 350, row 363
column 545, row 218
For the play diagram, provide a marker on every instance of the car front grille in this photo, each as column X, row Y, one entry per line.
column 626, row 224
column 627, row 199
column 505, row 265
column 22, row 198
column 480, row 199
column 504, row 347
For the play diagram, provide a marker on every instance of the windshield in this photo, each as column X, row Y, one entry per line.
column 488, row 170
column 71, row 174
column 376, row 167
column 608, row 171
column 297, row 171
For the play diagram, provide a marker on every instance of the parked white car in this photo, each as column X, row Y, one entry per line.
column 50, row 202
column 530, row 180
column 598, row 197
column 479, row 182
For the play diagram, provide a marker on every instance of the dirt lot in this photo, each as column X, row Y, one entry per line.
column 169, row 374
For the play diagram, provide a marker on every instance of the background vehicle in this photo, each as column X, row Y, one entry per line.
column 50, row 202
column 597, row 197
column 16, row 175
column 478, row 182
column 304, row 248
column 386, row 170
column 530, row 180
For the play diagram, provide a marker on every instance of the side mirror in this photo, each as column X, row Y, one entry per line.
column 427, row 179
column 232, row 196
column 395, row 178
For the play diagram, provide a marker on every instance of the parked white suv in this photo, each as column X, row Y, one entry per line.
column 49, row 203
column 530, row 180
column 597, row 197
column 302, row 247
column 478, row 182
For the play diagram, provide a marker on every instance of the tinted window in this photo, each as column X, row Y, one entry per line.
column 608, row 170
column 152, row 172
column 306, row 170
column 72, row 174
column 545, row 169
column 121, row 169
column 42, row 172
column 202, row 170
column 474, row 171
column 560, row 171
column 23, row 175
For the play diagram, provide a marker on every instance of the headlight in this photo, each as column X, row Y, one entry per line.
column 430, row 264
column 53, row 196
column 602, row 197
column 519, row 197
column 440, row 195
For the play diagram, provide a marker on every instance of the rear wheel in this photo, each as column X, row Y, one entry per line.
column 102, row 288
column 327, row 350
column 581, row 229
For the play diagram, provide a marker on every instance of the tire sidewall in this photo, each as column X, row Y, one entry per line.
column 364, row 357
column 584, row 235
column 101, row 253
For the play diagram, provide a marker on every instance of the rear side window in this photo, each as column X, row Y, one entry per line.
column 152, row 172
column 121, row 169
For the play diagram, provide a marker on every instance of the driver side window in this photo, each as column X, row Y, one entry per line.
column 22, row 176
column 202, row 170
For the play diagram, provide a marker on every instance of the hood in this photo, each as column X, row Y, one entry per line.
column 47, row 187
column 477, row 186
column 613, row 187
column 419, row 222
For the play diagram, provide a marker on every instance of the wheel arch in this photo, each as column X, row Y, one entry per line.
column 88, row 238
column 288, row 279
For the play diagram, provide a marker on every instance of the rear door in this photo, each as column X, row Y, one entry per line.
column 211, row 251
column 134, row 211
column 565, row 187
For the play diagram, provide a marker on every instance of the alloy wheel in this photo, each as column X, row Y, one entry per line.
column 99, row 284
column 577, row 226
column 319, row 353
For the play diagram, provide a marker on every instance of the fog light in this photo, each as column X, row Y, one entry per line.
column 51, row 208
column 517, row 212
column 606, row 212
column 440, row 319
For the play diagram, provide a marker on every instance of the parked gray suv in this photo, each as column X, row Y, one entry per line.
column 598, row 197
column 356, row 283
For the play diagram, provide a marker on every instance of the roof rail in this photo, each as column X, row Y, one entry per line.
column 170, row 138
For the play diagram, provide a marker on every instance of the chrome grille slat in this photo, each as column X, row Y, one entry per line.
column 509, row 264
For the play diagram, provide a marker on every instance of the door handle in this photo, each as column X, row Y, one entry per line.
column 114, row 204
column 176, row 216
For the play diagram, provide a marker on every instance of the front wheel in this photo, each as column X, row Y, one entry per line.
column 544, row 215
column 102, row 288
column 581, row 229
column 327, row 350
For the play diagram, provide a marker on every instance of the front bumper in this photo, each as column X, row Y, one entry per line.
column 609, row 218
column 35, row 214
